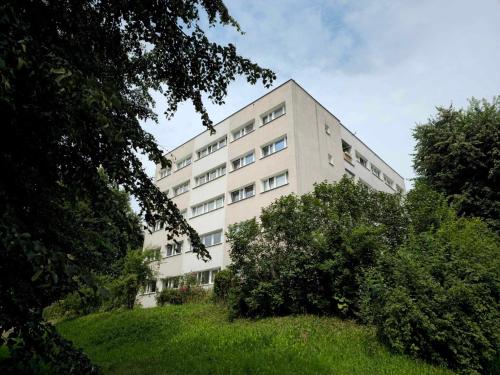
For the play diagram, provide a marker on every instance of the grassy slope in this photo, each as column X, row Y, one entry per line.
column 198, row 339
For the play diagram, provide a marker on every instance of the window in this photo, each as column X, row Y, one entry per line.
column 399, row 189
column 327, row 129
column 184, row 162
column 182, row 188
column 243, row 131
column 388, row 181
column 210, row 175
column 151, row 286
column 158, row 226
column 375, row 171
column 174, row 248
column 211, row 239
column 273, row 115
column 243, row 161
column 346, row 147
column 206, row 277
column 330, row 159
column 212, row 147
column 171, row 282
column 184, row 213
column 362, row 160
column 276, row 146
column 208, row 206
column 154, row 254
column 349, row 174
column 164, row 172
column 275, row 181
column 243, row 193
column 203, row 277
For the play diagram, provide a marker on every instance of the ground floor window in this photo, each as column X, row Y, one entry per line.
column 206, row 277
column 171, row 282
column 151, row 287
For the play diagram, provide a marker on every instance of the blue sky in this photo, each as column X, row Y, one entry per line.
column 380, row 66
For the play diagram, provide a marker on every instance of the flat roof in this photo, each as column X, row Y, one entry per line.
column 312, row 97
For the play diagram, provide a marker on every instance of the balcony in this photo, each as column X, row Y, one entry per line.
column 348, row 157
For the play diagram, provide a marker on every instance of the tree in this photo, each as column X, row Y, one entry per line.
column 458, row 154
column 308, row 253
column 75, row 81
column 437, row 296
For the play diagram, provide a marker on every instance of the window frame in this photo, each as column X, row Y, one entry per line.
column 360, row 158
column 272, row 146
column 241, row 129
column 175, row 249
column 211, row 275
column 271, row 114
column 388, row 181
column 243, row 158
column 375, row 171
column 242, row 196
column 205, row 206
column 148, row 289
column 213, row 233
column 164, row 172
column 210, row 147
column 170, row 282
column 274, row 178
column 186, row 184
column 183, row 162
column 207, row 175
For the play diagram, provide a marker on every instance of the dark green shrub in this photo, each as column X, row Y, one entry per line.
column 438, row 297
column 310, row 252
column 82, row 302
column 224, row 281
column 169, row 296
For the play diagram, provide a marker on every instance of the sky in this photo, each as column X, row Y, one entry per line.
column 380, row 66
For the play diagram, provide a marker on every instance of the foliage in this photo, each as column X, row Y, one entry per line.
column 223, row 284
column 110, row 292
column 81, row 302
column 438, row 296
column 76, row 79
column 426, row 208
column 189, row 291
column 309, row 253
column 169, row 297
column 203, row 341
column 458, row 154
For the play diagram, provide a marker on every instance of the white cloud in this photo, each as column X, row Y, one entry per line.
column 381, row 67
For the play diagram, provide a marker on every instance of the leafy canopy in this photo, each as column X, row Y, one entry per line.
column 76, row 79
column 458, row 154
column 437, row 296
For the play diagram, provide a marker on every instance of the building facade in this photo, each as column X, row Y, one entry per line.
column 282, row 143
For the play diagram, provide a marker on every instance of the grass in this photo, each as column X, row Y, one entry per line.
column 198, row 339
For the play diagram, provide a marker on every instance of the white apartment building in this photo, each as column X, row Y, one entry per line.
column 279, row 144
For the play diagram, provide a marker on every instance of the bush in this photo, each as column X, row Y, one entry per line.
column 188, row 292
column 84, row 301
column 437, row 298
column 169, row 296
column 309, row 253
column 223, row 283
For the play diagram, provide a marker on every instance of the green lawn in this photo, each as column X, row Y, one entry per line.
column 198, row 339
